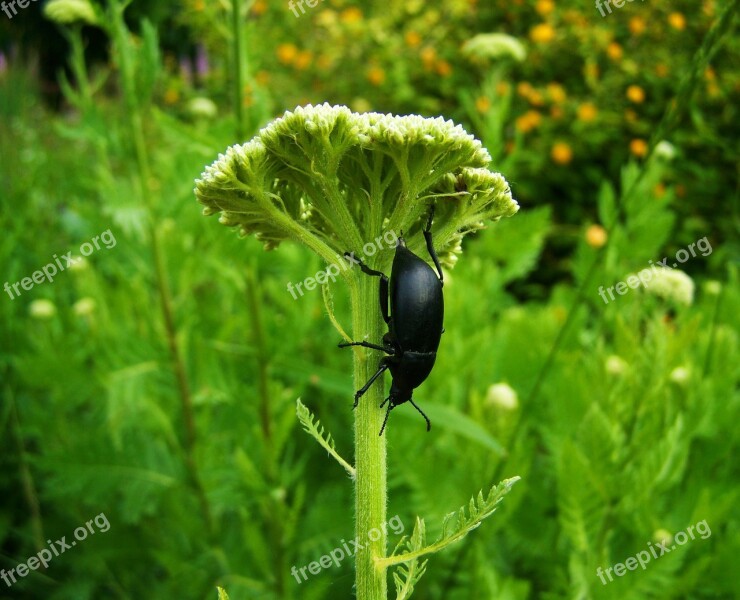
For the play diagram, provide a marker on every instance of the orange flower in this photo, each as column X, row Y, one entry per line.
column 376, row 76
column 171, row 96
column 303, row 60
column 630, row 115
column 659, row 190
column 614, row 51
column 259, row 7
column 262, row 77
column 587, row 112
column 596, row 236
column 661, row 70
column 542, row 33
column 502, row 88
column 286, row 53
column 443, row 68
column 556, row 112
column 635, row 94
column 710, row 74
column 637, row 25
column 639, row 147
column 482, row 104
column 556, row 92
column 536, row 98
column 351, row 15
column 412, row 39
column 544, row 7
column 677, row 21
column 428, row 56
column 524, row 89
column 528, row 121
column 561, row 153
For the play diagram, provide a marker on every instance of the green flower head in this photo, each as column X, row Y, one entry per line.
column 491, row 46
column 334, row 179
column 70, row 11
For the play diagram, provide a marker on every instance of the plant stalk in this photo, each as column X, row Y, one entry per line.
column 370, row 448
column 240, row 66
column 136, row 124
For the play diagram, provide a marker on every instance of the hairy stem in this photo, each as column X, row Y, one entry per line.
column 370, row 448
column 240, row 65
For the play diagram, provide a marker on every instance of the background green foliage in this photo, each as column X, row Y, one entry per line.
column 93, row 411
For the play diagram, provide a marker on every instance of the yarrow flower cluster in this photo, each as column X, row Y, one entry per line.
column 492, row 46
column 331, row 179
column 673, row 285
column 71, row 11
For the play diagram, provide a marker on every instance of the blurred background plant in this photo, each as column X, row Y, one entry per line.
column 619, row 418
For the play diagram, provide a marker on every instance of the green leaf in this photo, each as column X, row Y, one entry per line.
column 316, row 430
column 456, row 524
column 407, row 575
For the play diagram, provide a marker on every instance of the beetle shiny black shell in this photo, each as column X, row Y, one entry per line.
column 417, row 313
column 414, row 322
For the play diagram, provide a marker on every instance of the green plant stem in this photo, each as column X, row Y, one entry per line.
column 26, row 477
column 136, row 125
column 240, row 66
column 370, row 448
column 262, row 354
column 273, row 514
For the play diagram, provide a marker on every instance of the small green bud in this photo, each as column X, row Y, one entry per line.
column 42, row 309
column 66, row 12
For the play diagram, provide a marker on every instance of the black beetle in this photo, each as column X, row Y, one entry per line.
column 414, row 323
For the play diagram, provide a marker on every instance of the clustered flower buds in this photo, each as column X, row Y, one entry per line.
column 333, row 179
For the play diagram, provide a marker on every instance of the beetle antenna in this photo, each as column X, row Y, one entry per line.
column 431, row 218
column 429, row 423
column 387, row 413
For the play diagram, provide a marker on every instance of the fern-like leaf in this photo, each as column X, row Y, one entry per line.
column 407, row 575
column 314, row 428
column 456, row 525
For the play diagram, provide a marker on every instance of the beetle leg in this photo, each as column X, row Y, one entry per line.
column 429, row 423
column 430, row 246
column 386, row 349
column 383, row 292
column 387, row 413
column 381, row 369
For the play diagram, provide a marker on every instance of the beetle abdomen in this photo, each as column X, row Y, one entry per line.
column 417, row 303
